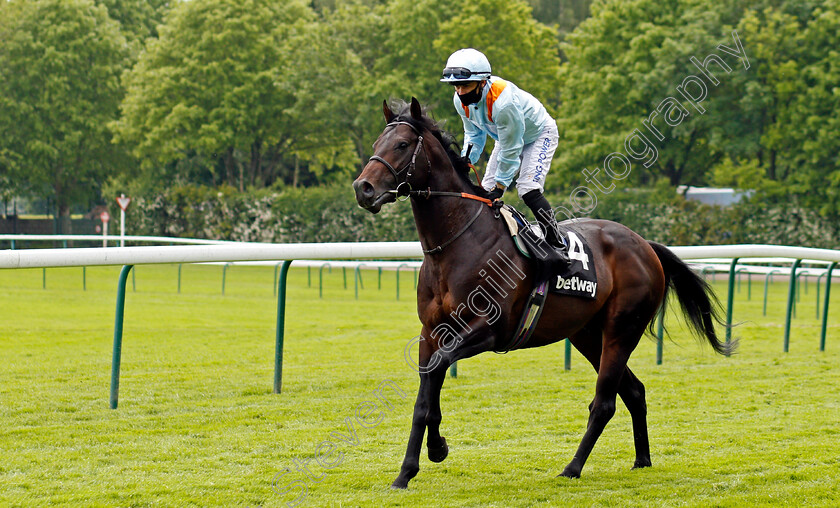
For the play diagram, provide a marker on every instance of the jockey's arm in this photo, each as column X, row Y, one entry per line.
column 511, row 127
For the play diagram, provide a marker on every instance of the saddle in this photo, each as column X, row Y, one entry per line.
column 575, row 278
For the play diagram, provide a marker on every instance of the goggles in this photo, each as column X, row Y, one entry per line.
column 462, row 74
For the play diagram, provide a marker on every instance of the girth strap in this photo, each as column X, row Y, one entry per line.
column 530, row 318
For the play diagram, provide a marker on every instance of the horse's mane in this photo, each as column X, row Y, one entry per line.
column 447, row 141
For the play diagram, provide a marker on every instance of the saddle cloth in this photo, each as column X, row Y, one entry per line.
column 578, row 277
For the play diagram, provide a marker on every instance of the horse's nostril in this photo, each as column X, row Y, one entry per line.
column 367, row 190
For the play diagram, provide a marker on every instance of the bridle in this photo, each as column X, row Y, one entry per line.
column 404, row 190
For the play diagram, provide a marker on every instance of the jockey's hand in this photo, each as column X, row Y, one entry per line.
column 466, row 160
column 496, row 193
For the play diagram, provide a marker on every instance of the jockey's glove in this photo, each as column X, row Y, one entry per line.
column 496, row 193
column 467, row 162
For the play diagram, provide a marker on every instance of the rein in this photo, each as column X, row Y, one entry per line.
column 405, row 191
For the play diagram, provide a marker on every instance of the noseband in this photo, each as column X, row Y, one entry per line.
column 403, row 189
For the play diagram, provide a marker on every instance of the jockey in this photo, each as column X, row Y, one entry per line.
column 525, row 134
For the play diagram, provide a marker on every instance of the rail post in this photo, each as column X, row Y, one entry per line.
column 798, row 288
column 281, row 324
column 398, row 279
column 767, row 280
column 660, row 332
column 357, row 279
column 825, row 305
column 321, row 278
column 276, row 267
column 567, row 355
column 790, row 302
column 817, row 292
column 224, row 275
column 118, row 331
column 730, row 301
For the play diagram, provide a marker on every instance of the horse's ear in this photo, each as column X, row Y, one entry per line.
column 389, row 115
column 416, row 110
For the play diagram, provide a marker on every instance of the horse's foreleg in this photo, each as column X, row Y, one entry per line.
column 632, row 392
column 411, row 462
column 438, row 449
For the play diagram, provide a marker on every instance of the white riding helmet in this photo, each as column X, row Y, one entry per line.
column 466, row 65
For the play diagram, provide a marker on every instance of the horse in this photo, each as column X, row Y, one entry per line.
column 414, row 159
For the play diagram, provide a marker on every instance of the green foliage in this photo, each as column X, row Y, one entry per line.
column 623, row 62
column 565, row 14
column 261, row 94
column 138, row 19
column 217, row 83
column 663, row 216
column 60, row 63
column 314, row 214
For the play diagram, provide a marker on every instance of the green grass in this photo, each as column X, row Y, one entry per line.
column 198, row 425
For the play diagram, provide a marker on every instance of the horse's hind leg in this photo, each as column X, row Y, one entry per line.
column 632, row 392
column 616, row 349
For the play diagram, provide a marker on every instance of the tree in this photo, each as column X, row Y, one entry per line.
column 564, row 14
column 795, row 91
column 60, row 62
column 215, row 86
column 138, row 19
column 625, row 62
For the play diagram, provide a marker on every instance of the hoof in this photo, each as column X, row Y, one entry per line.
column 569, row 473
column 405, row 476
column 641, row 463
column 439, row 454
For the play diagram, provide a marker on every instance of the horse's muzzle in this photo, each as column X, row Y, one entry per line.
column 367, row 197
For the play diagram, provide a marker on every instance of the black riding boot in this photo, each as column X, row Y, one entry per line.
column 545, row 216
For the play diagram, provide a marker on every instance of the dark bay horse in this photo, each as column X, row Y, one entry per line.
column 466, row 308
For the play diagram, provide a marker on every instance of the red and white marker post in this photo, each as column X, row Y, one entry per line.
column 123, row 202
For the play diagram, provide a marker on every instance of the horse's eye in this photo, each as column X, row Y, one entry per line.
column 402, row 145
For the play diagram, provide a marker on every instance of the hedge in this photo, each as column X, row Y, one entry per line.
column 330, row 214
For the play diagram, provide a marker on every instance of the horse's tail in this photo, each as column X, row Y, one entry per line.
column 700, row 306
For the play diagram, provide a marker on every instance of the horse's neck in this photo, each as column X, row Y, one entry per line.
column 439, row 219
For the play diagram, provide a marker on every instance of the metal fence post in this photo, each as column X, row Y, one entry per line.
column 281, row 324
column 567, row 360
column 660, row 332
column 224, row 275
column 767, row 280
column 730, row 301
column 398, row 279
column 825, row 306
column 321, row 278
column 357, row 280
column 791, row 301
column 118, row 330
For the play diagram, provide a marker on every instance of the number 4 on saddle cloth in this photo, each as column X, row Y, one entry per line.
column 576, row 278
